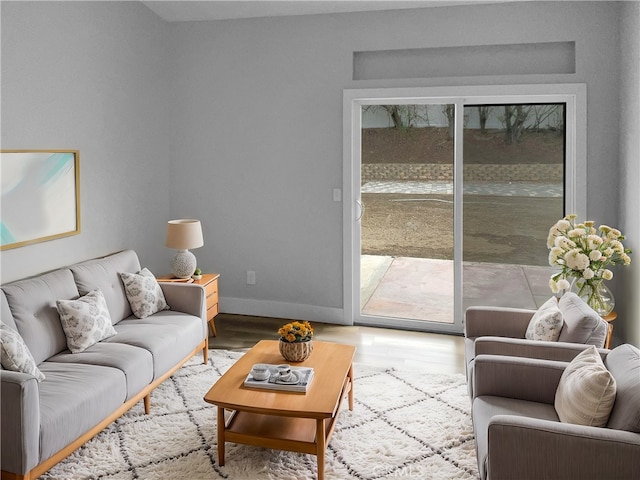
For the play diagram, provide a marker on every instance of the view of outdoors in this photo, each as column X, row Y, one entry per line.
column 513, row 171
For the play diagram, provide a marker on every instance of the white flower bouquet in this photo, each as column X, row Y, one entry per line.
column 584, row 252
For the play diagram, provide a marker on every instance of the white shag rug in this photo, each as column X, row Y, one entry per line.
column 405, row 424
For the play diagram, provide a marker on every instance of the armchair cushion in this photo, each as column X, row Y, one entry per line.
column 581, row 323
column 624, row 363
column 586, row 391
column 546, row 323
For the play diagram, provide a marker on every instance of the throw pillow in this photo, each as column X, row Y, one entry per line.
column 85, row 321
column 144, row 293
column 586, row 391
column 546, row 323
column 14, row 354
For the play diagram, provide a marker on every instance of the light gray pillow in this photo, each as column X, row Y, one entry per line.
column 624, row 364
column 582, row 324
column 586, row 391
column 546, row 323
column 14, row 354
column 85, row 321
column 144, row 293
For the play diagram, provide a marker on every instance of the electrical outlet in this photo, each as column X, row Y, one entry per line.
column 251, row 277
column 337, row 195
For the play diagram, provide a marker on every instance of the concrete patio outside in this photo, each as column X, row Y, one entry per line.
column 422, row 288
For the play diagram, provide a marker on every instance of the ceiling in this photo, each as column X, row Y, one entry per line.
column 186, row 10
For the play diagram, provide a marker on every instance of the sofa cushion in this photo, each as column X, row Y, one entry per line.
column 546, row 323
column 14, row 354
column 144, row 293
column 581, row 323
column 136, row 363
column 85, row 321
column 624, row 364
column 170, row 336
column 103, row 274
column 75, row 398
column 33, row 306
column 586, row 391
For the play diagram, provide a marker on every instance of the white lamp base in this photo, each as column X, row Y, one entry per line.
column 183, row 264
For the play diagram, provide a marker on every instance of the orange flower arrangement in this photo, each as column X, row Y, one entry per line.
column 295, row 332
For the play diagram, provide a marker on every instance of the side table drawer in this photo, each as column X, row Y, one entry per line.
column 212, row 311
column 212, row 299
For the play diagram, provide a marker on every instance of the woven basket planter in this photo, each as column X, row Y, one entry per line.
column 296, row 351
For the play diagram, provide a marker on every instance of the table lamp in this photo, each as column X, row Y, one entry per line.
column 182, row 235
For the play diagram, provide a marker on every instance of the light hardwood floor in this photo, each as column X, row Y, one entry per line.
column 432, row 352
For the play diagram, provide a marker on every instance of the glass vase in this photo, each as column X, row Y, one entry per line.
column 595, row 294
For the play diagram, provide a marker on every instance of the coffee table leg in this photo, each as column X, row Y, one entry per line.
column 321, row 443
column 351, row 389
column 221, row 425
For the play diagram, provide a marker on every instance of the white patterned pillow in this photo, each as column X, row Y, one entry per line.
column 546, row 323
column 85, row 321
column 14, row 354
column 144, row 293
column 586, row 391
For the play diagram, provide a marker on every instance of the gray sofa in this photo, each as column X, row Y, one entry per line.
column 518, row 431
column 43, row 422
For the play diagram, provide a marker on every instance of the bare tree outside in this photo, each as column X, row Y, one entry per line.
column 483, row 115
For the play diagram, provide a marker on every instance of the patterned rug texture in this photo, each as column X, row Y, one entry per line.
column 405, row 424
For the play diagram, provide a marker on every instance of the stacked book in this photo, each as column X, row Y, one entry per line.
column 299, row 380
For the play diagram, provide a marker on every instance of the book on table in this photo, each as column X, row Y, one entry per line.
column 304, row 376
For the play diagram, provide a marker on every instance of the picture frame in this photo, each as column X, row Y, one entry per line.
column 39, row 196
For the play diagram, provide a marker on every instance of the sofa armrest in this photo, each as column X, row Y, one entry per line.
column 20, row 415
column 528, row 379
column 496, row 322
column 186, row 297
column 519, row 347
column 529, row 448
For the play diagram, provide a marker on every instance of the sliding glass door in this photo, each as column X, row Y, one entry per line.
column 406, row 229
column 514, row 164
column 449, row 197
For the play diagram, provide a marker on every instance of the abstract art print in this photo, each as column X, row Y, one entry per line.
column 40, row 196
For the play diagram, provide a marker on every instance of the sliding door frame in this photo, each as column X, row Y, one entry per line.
column 572, row 95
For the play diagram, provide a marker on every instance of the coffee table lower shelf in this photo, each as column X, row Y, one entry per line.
column 279, row 433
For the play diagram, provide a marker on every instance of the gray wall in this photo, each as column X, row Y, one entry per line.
column 91, row 77
column 627, row 327
column 239, row 123
column 269, row 150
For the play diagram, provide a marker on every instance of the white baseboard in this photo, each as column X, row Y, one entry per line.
column 290, row 311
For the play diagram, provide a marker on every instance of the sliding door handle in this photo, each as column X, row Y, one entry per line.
column 361, row 205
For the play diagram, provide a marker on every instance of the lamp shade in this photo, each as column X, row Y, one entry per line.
column 184, row 233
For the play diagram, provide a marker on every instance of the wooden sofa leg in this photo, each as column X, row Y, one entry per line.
column 14, row 476
column 205, row 351
column 147, row 403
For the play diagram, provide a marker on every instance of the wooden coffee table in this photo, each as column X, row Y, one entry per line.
column 297, row 422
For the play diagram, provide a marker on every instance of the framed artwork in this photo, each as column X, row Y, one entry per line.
column 40, row 196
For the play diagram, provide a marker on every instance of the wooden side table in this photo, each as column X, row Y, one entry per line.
column 210, row 283
column 609, row 319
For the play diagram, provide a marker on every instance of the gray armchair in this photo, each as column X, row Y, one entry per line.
column 519, row 435
column 501, row 331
